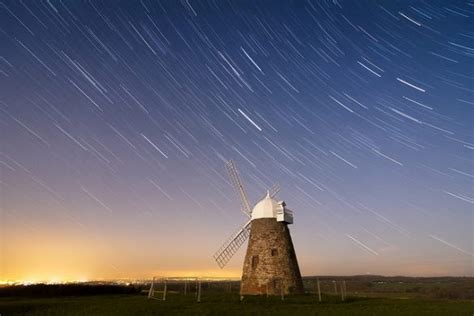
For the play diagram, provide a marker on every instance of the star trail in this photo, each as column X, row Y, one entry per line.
column 117, row 117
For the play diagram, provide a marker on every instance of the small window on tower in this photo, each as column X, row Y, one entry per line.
column 254, row 262
column 274, row 252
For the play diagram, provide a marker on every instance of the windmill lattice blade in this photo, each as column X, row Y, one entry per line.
column 234, row 178
column 230, row 247
column 274, row 190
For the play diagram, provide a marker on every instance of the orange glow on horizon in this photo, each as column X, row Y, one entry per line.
column 47, row 279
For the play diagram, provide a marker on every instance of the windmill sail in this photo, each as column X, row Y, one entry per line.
column 274, row 190
column 234, row 178
column 230, row 247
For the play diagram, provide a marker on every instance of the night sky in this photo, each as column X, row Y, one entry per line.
column 117, row 118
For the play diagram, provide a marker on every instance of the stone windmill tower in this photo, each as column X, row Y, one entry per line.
column 270, row 265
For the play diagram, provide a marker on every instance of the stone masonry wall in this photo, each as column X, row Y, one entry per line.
column 270, row 264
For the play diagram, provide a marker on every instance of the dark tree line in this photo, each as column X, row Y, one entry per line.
column 54, row 290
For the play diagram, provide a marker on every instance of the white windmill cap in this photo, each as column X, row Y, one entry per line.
column 265, row 208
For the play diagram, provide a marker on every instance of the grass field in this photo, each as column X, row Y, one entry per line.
column 229, row 304
column 367, row 295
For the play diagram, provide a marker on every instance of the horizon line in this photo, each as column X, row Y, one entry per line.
column 208, row 278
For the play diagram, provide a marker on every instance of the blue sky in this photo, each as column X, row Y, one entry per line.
column 117, row 118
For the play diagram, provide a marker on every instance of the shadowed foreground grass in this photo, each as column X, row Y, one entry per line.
column 229, row 304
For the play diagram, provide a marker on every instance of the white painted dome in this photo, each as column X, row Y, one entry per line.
column 269, row 208
column 265, row 208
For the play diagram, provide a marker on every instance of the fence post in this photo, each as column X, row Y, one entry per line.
column 199, row 292
column 164, row 291
column 151, row 292
column 335, row 286
column 319, row 291
column 342, row 293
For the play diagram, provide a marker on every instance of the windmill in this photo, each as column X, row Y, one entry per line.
column 270, row 265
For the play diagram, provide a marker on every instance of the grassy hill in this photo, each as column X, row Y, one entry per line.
column 366, row 295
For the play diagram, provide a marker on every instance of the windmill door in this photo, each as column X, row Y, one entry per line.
column 276, row 286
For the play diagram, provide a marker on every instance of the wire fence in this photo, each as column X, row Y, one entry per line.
column 197, row 288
